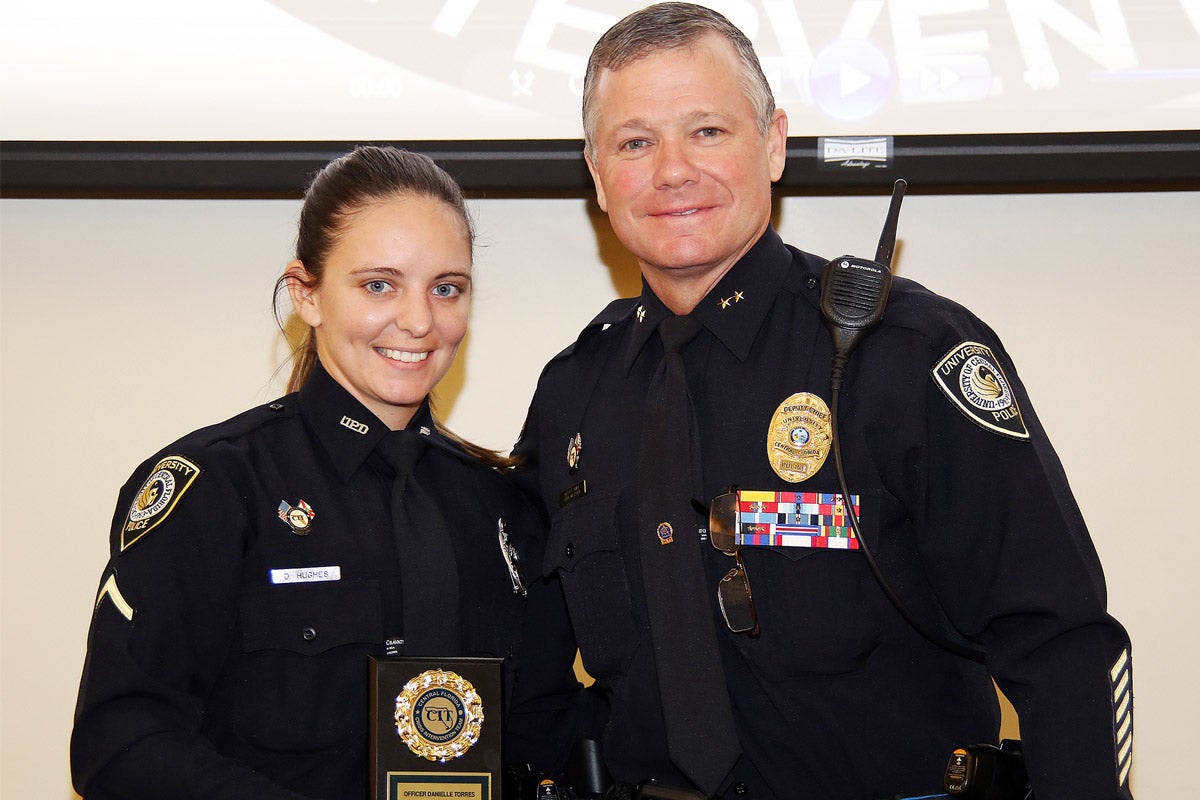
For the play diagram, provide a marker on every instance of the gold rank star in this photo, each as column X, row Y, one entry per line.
column 736, row 297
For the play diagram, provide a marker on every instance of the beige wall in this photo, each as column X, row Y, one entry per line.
column 126, row 323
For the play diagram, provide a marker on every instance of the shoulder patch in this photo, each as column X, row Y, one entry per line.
column 971, row 377
column 154, row 502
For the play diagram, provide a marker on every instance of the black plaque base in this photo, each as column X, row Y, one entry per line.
column 436, row 728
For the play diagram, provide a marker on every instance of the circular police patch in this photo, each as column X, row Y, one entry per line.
column 971, row 377
column 439, row 715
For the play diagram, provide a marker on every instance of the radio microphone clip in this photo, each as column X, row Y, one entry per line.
column 854, row 290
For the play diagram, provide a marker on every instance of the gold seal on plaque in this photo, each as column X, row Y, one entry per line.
column 439, row 715
column 799, row 437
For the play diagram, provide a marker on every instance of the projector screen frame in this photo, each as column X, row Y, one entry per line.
column 952, row 163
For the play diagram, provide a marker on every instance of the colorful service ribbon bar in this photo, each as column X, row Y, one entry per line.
column 795, row 519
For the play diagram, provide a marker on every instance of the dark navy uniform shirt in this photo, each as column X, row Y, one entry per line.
column 252, row 573
column 968, row 511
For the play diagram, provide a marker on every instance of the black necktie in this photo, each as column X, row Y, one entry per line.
column 701, row 736
column 428, row 570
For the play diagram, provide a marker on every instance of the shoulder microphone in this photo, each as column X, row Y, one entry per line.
column 854, row 290
column 854, row 293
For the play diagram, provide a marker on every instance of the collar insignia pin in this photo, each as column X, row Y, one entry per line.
column 736, row 297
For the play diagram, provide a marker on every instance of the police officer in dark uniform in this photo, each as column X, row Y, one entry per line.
column 823, row 690
column 256, row 564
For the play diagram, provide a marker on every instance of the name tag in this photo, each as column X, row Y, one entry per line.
column 306, row 575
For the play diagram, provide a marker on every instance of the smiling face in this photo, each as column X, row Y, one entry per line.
column 391, row 308
column 681, row 166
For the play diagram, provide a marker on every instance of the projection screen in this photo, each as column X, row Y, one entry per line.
column 189, row 93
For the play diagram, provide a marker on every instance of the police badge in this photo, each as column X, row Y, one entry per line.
column 512, row 559
column 799, row 437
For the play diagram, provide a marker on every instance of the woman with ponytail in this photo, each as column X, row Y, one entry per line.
column 257, row 564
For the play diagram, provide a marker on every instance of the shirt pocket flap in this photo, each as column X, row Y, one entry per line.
column 582, row 528
column 311, row 618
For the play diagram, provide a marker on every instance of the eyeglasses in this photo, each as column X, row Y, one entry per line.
column 733, row 592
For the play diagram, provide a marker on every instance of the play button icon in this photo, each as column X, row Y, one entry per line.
column 850, row 80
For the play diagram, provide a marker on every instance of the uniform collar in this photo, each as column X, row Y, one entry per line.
column 734, row 309
column 346, row 429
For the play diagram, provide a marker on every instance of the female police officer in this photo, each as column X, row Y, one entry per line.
column 256, row 564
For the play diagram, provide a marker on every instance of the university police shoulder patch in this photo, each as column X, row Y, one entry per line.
column 970, row 375
column 154, row 502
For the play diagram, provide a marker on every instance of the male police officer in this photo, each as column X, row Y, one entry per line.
column 814, row 686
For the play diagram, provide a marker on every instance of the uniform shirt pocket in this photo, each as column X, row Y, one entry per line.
column 582, row 548
column 820, row 610
column 816, row 611
column 300, row 683
column 311, row 618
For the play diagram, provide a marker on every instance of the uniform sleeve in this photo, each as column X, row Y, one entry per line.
column 1015, row 568
column 161, row 628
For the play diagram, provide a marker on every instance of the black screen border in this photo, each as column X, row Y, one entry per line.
column 974, row 163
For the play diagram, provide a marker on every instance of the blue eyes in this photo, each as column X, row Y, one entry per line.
column 443, row 290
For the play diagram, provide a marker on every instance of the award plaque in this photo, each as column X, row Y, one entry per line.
column 435, row 728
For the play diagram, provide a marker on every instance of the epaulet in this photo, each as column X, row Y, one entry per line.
column 437, row 438
column 613, row 313
column 243, row 423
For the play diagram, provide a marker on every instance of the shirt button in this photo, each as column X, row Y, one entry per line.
column 740, row 788
column 569, row 550
column 309, row 634
column 812, row 284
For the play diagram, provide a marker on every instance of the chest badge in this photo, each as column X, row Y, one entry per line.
column 512, row 559
column 799, row 437
column 298, row 517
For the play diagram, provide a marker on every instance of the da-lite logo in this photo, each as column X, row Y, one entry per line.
column 354, row 425
column 861, row 152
